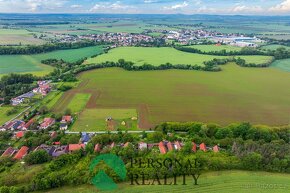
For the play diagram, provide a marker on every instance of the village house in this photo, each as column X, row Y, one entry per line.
column 215, row 149
column 194, row 147
column 21, row 153
column 18, row 125
column 170, row 146
column 97, row 148
column 19, row 134
column 162, row 148
column 60, row 150
column 48, row 149
column 75, row 147
column 28, row 124
column 85, row 138
column 10, row 151
column 47, row 122
column 65, row 121
column 142, row 145
column 202, row 147
column 17, row 101
column 177, row 145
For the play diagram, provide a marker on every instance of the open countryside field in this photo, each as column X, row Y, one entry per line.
column 236, row 94
column 218, row 182
column 32, row 63
column 215, row 48
column 274, row 47
column 95, row 120
column 17, row 37
column 158, row 56
column 4, row 109
column 282, row 64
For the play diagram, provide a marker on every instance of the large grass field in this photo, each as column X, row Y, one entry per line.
column 217, row 182
column 17, row 37
column 282, row 64
column 158, row 56
column 214, row 48
column 154, row 56
column 274, row 47
column 4, row 109
column 32, row 63
column 256, row 95
column 95, row 120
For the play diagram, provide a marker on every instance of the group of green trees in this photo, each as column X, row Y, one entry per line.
column 16, row 84
column 36, row 49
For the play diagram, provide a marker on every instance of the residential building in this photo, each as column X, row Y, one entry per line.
column 21, row 153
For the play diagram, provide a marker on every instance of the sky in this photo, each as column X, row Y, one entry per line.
column 243, row 7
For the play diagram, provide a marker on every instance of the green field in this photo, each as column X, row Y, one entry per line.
column 214, row 48
column 217, row 182
column 95, row 120
column 18, row 37
column 32, row 63
column 257, row 59
column 78, row 102
column 274, row 47
column 158, row 56
column 282, row 64
column 236, row 94
column 4, row 109
column 154, row 56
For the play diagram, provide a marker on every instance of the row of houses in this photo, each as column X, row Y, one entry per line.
column 20, row 125
column 58, row 150
column 43, row 88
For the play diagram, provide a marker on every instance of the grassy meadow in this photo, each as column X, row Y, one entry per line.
column 282, row 65
column 157, row 56
column 32, row 63
column 215, row 48
column 256, row 95
column 218, row 182
column 274, row 47
column 4, row 109
column 95, row 120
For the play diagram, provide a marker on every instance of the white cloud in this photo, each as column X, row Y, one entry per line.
column 176, row 6
column 282, row 7
column 76, row 6
column 246, row 9
column 30, row 5
column 109, row 7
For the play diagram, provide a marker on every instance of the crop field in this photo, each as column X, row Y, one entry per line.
column 95, row 120
column 32, row 63
column 218, row 182
column 282, row 64
column 235, row 94
column 214, row 48
column 157, row 56
column 17, row 37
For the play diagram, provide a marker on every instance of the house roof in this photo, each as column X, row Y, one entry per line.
column 193, row 147
column 98, row 147
column 178, row 145
column 202, row 147
column 8, row 152
column 126, row 144
column 67, row 118
column 53, row 134
column 75, row 147
column 19, row 134
column 170, row 146
column 216, row 149
column 112, row 145
column 162, row 148
column 56, row 143
column 21, row 153
column 29, row 123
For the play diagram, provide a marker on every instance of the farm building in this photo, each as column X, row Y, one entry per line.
column 47, row 122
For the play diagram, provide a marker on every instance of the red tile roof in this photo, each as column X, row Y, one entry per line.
column 162, row 148
column 67, row 118
column 216, row 149
column 202, row 147
column 98, row 147
column 56, row 143
column 75, row 147
column 170, row 146
column 19, row 134
column 8, row 152
column 21, row 153
column 29, row 123
column 193, row 147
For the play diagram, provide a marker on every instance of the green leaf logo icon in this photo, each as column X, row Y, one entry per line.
column 102, row 181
